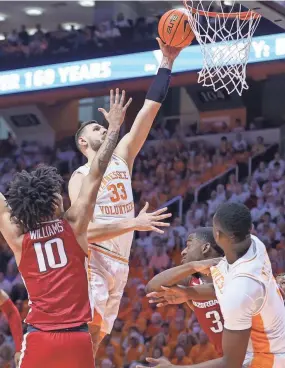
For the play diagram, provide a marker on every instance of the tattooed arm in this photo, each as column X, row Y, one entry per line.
column 81, row 212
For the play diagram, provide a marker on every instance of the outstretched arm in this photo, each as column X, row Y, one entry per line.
column 143, row 222
column 131, row 143
column 101, row 232
column 239, row 310
column 175, row 275
column 81, row 211
column 14, row 319
column 11, row 232
column 234, row 347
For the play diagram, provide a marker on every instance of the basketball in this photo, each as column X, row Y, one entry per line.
column 174, row 28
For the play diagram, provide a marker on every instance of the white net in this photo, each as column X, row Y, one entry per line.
column 224, row 34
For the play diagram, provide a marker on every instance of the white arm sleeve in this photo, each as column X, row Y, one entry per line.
column 242, row 301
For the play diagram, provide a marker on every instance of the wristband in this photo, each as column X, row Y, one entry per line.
column 159, row 87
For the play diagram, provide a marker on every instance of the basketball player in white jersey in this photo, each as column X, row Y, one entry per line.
column 250, row 300
column 108, row 259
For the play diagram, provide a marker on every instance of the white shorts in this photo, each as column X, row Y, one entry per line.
column 107, row 276
column 264, row 361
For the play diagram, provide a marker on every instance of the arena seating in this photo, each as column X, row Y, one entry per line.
column 160, row 174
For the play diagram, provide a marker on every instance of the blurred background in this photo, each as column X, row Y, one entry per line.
column 58, row 60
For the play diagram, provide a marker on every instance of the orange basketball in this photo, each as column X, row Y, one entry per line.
column 174, row 28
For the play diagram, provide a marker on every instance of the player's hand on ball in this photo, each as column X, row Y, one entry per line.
column 118, row 109
column 152, row 221
column 158, row 363
column 168, row 295
column 170, row 52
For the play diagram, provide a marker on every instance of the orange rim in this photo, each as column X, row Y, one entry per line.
column 242, row 15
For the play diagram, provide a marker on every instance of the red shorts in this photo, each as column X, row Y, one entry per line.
column 57, row 350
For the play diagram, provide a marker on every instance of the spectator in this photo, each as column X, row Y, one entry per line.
column 277, row 172
column 239, row 127
column 160, row 341
column 179, row 228
column 5, row 284
column 112, row 356
column 258, row 211
column 203, row 351
column 261, row 174
column 225, row 146
column 39, row 34
column 24, row 36
column 107, row 363
column 239, row 144
column 144, row 241
column 180, row 357
column 13, row 38
column 239, row 195
column 121, row 22
column 157, row 353
column 134, row 351
column 160, row 260
column 258, row 147
column 221, row 193
column 277, row 159
column 213, row 203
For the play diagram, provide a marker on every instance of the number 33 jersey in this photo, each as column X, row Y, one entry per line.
column 53, row 269
column 114, row 202
column 210, row 317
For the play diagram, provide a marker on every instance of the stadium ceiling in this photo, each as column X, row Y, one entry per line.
column 13, row 13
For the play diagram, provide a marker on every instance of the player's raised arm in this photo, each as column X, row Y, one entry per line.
column 9, row 229
column 132, row 142
column 14, row 320
column 81, row 211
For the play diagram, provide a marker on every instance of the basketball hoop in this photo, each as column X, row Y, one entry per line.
column 225, row 39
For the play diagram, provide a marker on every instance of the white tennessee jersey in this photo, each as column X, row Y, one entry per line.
column 250, row 298
column 114, row 202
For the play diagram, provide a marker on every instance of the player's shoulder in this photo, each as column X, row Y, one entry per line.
column 77, row 174
column 243, row 290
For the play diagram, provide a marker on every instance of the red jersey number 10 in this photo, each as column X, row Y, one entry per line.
column 45, row 254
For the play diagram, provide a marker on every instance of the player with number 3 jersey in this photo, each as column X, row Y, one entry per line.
column 200, row 245
column 50, row 249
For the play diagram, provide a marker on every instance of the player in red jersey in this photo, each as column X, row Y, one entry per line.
column 50, row 248
column 200, row 246
column 14, row 319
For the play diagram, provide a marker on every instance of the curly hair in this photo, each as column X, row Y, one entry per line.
column 32, row 197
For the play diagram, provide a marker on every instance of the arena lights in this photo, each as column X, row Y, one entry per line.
column 2, row 37
column 34, row 12
column 2, row 17
column 67, row 26
column 87, row 3
column 121, row 67
column 32, row 31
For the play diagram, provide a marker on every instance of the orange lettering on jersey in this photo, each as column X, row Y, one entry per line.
column 117, row 209
column 112, row 176
column 218, row 278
